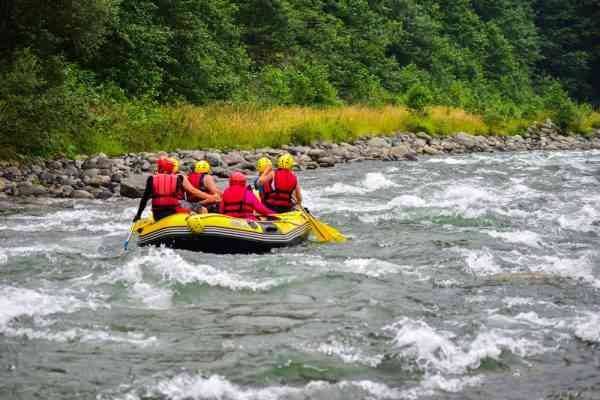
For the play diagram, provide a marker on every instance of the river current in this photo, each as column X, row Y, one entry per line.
column 471, row 277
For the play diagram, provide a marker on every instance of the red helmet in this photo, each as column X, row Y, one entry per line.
column 164, row 166
column 237, row 178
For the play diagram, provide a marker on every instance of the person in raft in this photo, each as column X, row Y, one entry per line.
column 263, row 167
column 166, row 189
column 201, row 179
column 238, row 200
column 280, row 189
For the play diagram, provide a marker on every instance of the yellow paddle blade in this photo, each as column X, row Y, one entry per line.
column 324, row 232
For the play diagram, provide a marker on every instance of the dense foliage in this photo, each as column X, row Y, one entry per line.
column 67, row 65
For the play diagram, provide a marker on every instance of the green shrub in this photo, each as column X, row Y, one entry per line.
column 418, row 97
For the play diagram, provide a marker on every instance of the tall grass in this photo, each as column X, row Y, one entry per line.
column 137, row 127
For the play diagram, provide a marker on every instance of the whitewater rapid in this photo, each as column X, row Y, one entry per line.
column 465, row 277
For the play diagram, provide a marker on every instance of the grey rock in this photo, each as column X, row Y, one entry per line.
column 315, row 154
column 70, row 170
column 233, row 158
column 116, row 178
column 47, row 177
column 465, row 139
column 12, row 172
column 104, row 194
column 67, row 191
column 326, row 161
column 214, row 159
column 424, row 136
column 378, row 142
column 99, row 180
column 91, row 172
column 104, row 163
column 28, row 189
column 3, row 184
column 146, row 166
column 133, row 186
column 81, row 194
column 396, row 152
column 54, row 164
column 90, row 163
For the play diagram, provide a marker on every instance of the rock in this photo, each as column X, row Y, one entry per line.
column 424, row 136
column 81, row 194
column 133, row 186
column 54, row 164
column 214, row 159
column 104, row 163
column 100, row 180
column 116, row 178
column 47, row 177
column 12, row 173
column 91, row 172
column 3, row 184
column 90, row 163
column 430, row 150
column 326, row 161
column 104, row 194
column 378, row 142
column 396, row 152
column 28, row 189
column 233, row 158
column 146, row 165
column 465, row 139
column 67, row 191
column 315, row 154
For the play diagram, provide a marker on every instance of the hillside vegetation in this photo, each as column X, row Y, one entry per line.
column 129, row 75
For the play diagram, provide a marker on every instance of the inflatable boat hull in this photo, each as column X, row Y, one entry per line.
column 216, row 233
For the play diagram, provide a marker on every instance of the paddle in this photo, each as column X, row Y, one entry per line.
column 126, row 244
column 322, row 231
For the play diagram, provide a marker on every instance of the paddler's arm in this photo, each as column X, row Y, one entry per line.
column 259, row 207
column 144, row 200
column 298, row 195
column 211, row 185
column 188, row 187
column 266, row 176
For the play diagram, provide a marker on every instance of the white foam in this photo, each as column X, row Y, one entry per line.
column 581, row 220
column 82, row 335
column 369, row 267
column 342, row 188
column 173, row 268
column 480, row 262
column 373, row 181
column 526, row 237
column 349, row 354
column 435, row 351
column 587, row 328
column 15, row 302
column 432, row 383
column 407, row 200
column 198, row 387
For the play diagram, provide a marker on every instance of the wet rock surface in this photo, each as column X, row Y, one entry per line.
column 102, row 177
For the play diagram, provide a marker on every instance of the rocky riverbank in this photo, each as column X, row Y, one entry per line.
column 102, row 177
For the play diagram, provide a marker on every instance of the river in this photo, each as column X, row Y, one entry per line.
column 471, row 277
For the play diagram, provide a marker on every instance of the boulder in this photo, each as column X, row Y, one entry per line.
column 81, row 194
column 103, row 195
column 104, row 163
column 91, row 172
column 3, row 184
column 214, row 159
column 465, row 140
column 326, row 161
column 100, row 180
column 133, row 186
column 233, row 158
column 29, row 189
column 12, row 173
column 315, row 154
column 396, row 153
column 90, row 163
column 146, row 165
column 378, row 142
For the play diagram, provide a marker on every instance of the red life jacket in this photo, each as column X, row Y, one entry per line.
column 278, row 192
column 197, row 181
column 234, row 202
column 165, row 191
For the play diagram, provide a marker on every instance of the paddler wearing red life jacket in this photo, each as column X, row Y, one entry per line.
column 239, row 201
column 201, row 179
column 166, row 189
column 280, row 188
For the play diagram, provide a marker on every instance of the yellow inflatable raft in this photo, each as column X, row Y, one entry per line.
column 217, row 233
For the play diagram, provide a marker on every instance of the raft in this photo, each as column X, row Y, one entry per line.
column 217, row 233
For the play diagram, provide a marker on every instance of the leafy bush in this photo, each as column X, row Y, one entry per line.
column 40, row 116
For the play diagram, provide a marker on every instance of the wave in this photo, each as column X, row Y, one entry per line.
column 82, row 335
column 436, row 351
column 528, row 238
